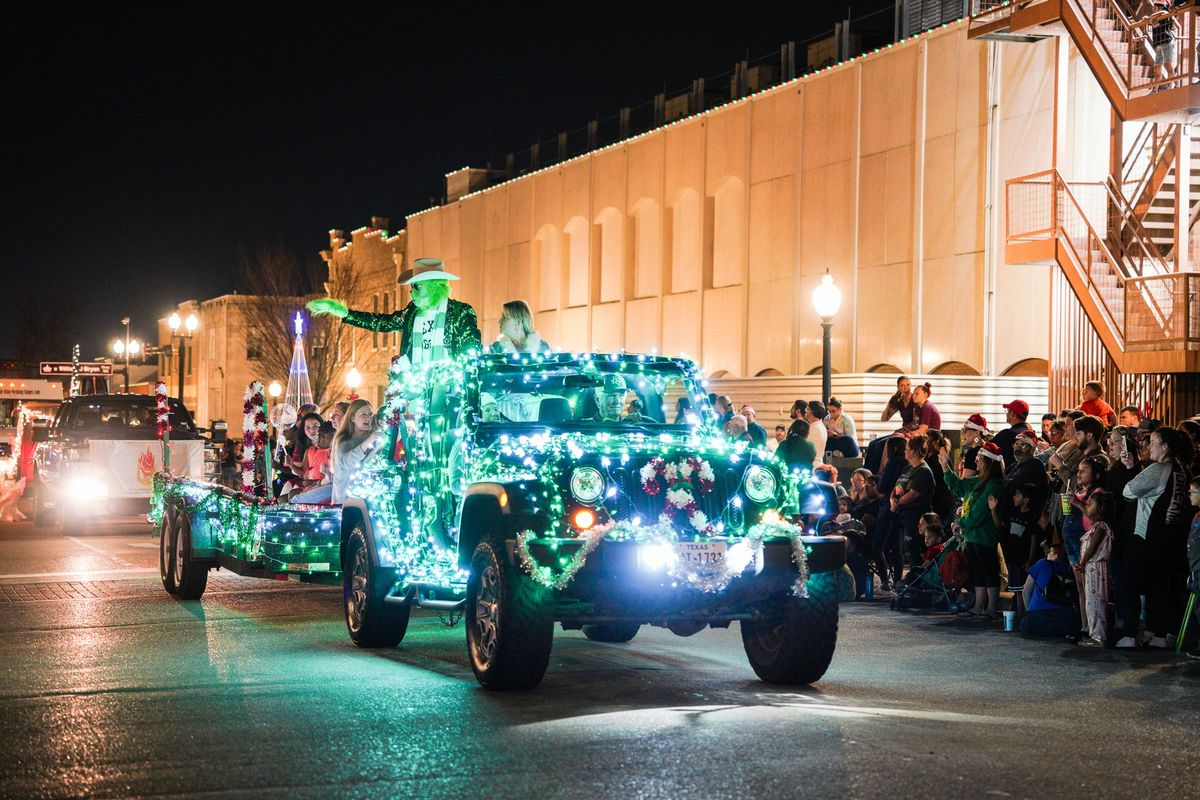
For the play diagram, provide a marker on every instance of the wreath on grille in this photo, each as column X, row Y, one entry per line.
column 680, row 482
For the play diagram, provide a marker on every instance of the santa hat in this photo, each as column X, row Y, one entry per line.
column 976, row 422
column 1028, row 434
column 990, row 450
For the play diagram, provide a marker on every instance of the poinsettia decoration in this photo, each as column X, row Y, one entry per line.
column 162, row 417
column 682, row 481
column 254, row 437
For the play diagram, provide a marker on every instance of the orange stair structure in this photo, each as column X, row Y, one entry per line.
column 1126, row 296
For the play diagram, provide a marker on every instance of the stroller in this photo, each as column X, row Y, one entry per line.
column 924, row 587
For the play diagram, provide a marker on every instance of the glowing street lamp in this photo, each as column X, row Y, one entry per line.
column 190, row 325
column 827, row 299
column 353, row 380
column 274, row 390
column 126, row 347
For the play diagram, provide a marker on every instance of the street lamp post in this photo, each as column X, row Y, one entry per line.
column 126, row 347
column 827, row 299
column 190, row 325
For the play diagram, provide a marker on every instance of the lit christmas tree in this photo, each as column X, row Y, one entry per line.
column 299, row 392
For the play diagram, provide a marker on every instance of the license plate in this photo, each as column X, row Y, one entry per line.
column 701, row 554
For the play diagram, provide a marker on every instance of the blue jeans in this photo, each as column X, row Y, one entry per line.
column 845, row 444
column 1072, row 534
column 318, row 494
column 1052, row 623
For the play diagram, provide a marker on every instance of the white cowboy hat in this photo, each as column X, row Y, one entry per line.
column 425, row 269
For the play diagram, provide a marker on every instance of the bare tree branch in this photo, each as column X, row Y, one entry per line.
column 278, row 284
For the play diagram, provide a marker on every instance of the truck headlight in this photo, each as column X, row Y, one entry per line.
column 761, row 485
column 587, row 484
column 85, row 488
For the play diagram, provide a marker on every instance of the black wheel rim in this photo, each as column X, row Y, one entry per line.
column 356, row 599
column 486, row 624
column 179, row 555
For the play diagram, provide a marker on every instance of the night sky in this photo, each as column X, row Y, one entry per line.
column 147, row 149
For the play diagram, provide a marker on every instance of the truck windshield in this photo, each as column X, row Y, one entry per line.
column 136, row 413
column 583, row 393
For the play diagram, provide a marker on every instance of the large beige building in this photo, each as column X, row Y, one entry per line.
column 707, row 237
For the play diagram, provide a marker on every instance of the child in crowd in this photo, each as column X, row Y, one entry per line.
column 314, row 467
column 933, row 534
column 1097, row 549
column 1093, row 403
column 1089, row 478
column 1193, row 556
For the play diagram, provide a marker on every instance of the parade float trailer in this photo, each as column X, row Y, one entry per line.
column 506, row 489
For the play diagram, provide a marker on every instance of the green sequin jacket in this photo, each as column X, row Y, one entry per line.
column 462, row 326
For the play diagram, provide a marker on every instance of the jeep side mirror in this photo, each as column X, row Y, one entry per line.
column 41, row 435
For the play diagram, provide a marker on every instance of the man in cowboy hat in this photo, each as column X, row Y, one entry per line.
column 432, row 326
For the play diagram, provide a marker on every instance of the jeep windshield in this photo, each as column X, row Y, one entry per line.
column 565, row 391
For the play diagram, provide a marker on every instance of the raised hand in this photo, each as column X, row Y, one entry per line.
column 327, row 305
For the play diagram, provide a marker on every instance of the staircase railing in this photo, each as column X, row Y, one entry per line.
column 1142, row 303
column 1147, row 163
column 1127, row 46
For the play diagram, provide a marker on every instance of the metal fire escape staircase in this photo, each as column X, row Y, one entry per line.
column 1123, row 245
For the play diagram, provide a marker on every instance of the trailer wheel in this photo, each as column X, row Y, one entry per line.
column 190, row 576
column 795, row 643
column 370, row 621
column 166, row 552
column 510, row 622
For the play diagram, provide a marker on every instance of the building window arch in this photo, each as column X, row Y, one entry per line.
column 647, row 241
column 687, row 241
column 887, row 369
column 769, row 372
column 729, row 233
column 610, row 258
column 548, row 267
column 1028, row 368
column 954, row 368
column 577, row 258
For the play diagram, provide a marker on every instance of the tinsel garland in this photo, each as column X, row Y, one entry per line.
column 254, row 438
column 706, row 579
column 162, row 418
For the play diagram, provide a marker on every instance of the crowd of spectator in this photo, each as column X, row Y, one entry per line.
column 1085, row 527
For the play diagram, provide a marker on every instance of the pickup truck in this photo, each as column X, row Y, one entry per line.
column 100, row 453
column 524, row 491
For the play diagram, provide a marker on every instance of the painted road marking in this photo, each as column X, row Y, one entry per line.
column 98, row 551
column 84, row 573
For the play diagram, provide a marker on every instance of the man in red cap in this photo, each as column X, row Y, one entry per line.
column 1016, row 413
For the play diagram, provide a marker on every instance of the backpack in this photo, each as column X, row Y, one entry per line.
column 955, row 571
column 1060, row 590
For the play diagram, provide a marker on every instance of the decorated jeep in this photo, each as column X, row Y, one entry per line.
column 593, row 491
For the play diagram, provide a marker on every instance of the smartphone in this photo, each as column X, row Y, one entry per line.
column 1124, row 446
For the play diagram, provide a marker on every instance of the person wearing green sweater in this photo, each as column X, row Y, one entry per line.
column 980, row 493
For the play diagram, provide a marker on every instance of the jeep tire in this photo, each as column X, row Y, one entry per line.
column 189, row 575
column 611, row 631
column 794, row 643
column 509, row 621
column 370, row 621
column 43, row 517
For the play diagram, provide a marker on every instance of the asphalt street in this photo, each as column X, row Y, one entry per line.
column 111, row 688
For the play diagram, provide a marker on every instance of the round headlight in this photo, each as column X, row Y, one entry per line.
column 587, row 484
column 761, row 484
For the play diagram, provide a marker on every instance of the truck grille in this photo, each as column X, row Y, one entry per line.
column 632, row 500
